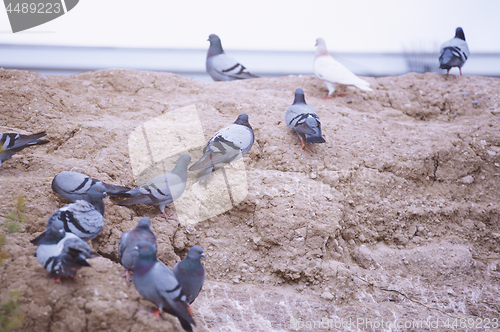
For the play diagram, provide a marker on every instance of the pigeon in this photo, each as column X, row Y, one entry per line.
column 163, row 189
column 304, row 120
column 221, row 66
column 84, row 218
column 128, row 241
column 74, row 186
column 454, row 52
column 10, row 143
column 333, row 73
column 227, row 145
column 157, row 283
column 62, row 253
column 190, row 273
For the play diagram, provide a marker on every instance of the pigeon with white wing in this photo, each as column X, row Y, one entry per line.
column 304, row 120
column 11, row 143
column 227, row 145
column 222, row 67
column 74, row 186
column 84, row 218
column 333, row 73
column 62, row 253
column 162, row 189
column 454, row 52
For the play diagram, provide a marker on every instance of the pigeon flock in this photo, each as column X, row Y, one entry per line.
column 62, row 249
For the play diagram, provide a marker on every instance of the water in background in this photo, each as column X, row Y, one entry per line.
column 63, row 60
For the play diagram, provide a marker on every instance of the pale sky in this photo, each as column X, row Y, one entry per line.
column 347, row 26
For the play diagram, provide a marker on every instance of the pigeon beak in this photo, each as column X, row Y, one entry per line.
column 104, row 194
column 203, row 256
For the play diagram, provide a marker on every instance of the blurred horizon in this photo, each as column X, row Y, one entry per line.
column 271, row 38
column 70, row 60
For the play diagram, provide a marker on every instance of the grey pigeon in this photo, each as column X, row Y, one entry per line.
column 62, row 253
column 11, row 143
column 84, row 218
column 190, row 273
column 74, row 186
column 128, row 243
column 221, row 66
column 304, row 120
column 157, row 283
column 163, row 189
column 228, row 144
column 454, row 52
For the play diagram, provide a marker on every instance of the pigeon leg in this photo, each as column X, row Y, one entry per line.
column 327, row 97
column 56, row 280
column 126, row 275
column 460, row 68
column 189, row 309
column 73, row 277
column 342, row 93
column 447, row 71
column 155, row 313
column 304, row 145
column 167, row 216
column 231, row 166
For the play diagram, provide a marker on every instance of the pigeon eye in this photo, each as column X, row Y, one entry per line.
column 98, row 190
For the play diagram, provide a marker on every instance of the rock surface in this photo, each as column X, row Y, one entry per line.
column 396, row 218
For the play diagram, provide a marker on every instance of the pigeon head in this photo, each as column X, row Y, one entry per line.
column 195, row 252
column 243, row 120
column 54, row 232
column 147, row 257
column 459, row 33
column 95, row 196
column 144, row 222
column 321, row 50
column 299, row 97
column 215, row 46
column 181, row 166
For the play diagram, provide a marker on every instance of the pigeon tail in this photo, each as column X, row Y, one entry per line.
column 314, row 125
column 450, row 57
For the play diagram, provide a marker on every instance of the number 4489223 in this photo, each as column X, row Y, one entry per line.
column 38, row 8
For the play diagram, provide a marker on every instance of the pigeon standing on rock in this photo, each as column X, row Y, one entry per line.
column 304, row 120
column 74, row 186
column 227, row 145
column 221, row 66
column 62, row 253
column 157, row 283
column 128, row 242
column 11, row 143
column 333, row 73
column 454, row 52
column 84, row 218
column 163, row 189
column 190, row 273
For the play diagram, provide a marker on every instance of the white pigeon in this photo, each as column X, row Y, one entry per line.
column 333, row 73
column 454, row 52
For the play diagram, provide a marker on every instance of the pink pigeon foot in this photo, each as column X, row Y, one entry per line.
column 155, row 313
column 126, row 275
column 56, row 280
